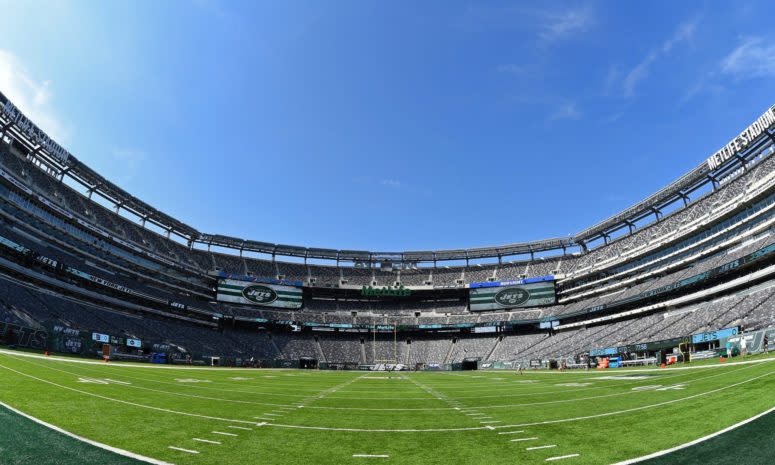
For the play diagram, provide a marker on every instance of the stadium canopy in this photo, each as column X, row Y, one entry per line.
column 60, row 163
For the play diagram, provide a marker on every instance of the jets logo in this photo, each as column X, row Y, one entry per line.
column 259, row 294
column 511, row 297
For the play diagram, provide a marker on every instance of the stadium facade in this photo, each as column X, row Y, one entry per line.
column 85, row 267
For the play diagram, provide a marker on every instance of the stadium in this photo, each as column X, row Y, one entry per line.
column 145, row 320
column 383, row 159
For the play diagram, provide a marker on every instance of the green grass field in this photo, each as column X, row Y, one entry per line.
column 300, row 417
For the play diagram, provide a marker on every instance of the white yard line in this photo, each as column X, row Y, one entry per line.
column 240, row 427
column 511, row 432
column 184, row 450
column 490, row 421
column 116, row 450
column 540, row 447
column 523, row 439
column 225, row 434
column 561, row 457
column 205, row 440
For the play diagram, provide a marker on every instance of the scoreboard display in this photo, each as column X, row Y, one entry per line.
column 503, row 297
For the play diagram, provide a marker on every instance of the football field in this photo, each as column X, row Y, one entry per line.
column 188, row 415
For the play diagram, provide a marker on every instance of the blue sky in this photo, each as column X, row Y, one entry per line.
column 389, row 125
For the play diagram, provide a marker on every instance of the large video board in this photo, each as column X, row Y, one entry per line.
column 526, row 295
column 268, row 295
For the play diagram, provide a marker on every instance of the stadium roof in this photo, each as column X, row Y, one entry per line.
column 14, row 123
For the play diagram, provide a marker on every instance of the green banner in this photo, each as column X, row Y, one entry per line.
column 499, row 297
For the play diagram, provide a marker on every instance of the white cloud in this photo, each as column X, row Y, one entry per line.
column 393, row 184
column 638, row 73
column 684, row 33
column 566, row 111
column 567, row 23
column 752, row 58
column 32, row 96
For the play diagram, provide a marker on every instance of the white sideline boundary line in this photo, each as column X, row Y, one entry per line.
column 696, row 441
column 115, row 450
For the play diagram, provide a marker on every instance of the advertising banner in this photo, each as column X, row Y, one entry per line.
column 267, row 295
column 497, row 298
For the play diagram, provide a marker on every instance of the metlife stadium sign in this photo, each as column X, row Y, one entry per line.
column 742, row 141
column 34, row 132
column 267, row 295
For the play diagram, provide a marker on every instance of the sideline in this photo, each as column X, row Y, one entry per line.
column 696, row 441
column 115, row 450
column 592, row 375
